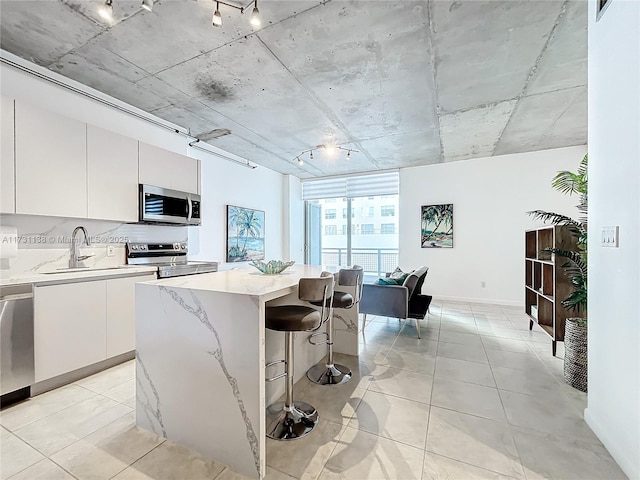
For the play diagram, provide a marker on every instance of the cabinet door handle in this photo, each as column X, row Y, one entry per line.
column 190, row 206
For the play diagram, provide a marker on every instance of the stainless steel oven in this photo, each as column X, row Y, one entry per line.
column 161, row 205
column 170, row 258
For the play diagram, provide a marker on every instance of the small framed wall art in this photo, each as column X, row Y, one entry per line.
column 245, row 234
column 436, row 223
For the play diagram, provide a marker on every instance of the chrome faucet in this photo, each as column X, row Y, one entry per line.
column 74, row 258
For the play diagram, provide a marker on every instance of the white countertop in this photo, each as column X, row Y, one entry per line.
column 76, row 276
column 244, row 281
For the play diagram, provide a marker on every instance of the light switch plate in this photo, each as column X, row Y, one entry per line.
column 609, row 236
column 110, row 251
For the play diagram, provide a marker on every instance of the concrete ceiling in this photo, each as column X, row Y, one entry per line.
column 406, row 83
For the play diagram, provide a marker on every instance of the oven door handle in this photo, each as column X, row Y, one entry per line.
column 190, row 208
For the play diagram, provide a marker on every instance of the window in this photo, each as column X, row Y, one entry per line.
column 330, row 214
column 388, row 228
column 344, row 229
column 366, row 229
column 367, row 211
column 330, row 230
column 344, row 213
column 388, row 210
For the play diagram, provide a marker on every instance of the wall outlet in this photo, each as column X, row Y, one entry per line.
column 111, row 251
column 609, row 236
column 483, row 284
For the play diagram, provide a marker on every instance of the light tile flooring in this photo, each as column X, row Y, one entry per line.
column 479, row 396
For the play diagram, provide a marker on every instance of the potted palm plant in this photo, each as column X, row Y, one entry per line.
column 575, row 267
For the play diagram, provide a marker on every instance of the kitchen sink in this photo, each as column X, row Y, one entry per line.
column 80, row 269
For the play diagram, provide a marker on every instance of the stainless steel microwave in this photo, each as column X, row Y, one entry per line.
column 161, row 205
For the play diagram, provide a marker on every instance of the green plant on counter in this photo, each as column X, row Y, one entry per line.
column 576, row 266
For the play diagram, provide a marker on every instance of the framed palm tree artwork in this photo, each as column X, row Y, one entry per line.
column 245, row 234
column 436, row 226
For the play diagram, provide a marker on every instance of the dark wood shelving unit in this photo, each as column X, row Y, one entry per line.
column 546, row 284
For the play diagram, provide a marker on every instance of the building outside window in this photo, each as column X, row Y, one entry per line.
column 330, row 214
column 388, row 210
column 388, row 228
column 366, row 229
column 344, row 229
column 330, row 230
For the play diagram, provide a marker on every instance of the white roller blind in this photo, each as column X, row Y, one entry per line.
column 361, row 186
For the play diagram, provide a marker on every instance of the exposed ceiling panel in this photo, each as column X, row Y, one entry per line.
column 403, row 82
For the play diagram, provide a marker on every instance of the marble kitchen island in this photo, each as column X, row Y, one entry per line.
column 201, row 348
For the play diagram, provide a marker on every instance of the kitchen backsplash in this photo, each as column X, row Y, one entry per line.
column 40, row 244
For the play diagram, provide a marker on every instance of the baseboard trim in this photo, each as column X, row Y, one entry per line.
column 70, row 377
column 506, row 303
column 631, row 469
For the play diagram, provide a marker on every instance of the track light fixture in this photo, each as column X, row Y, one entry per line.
column 329, row 150
column 147, row 5
column 217, row 18
column 254, row 20
column 106, row 11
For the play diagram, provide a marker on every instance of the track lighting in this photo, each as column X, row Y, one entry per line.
column 254, row 20
column 217, row 18
column 330, row 151
column 106, row 11
column 255, row 15
column 147, row 5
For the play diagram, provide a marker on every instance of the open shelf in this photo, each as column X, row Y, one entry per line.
column 546, row 284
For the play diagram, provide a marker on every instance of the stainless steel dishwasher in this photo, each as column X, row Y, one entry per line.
column 16, row 343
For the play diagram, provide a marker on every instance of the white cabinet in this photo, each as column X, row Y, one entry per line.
column 162, row 168
column 7, row 165
column 121, row 314
column 112, row 175
column 51, row 163
column 69, row 327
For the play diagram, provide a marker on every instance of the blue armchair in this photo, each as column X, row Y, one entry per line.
column 399, row 301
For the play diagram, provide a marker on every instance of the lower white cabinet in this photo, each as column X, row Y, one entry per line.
column 79, row 324
column 121, row 314
column 70, row 327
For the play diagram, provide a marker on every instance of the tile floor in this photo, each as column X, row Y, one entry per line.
column 479, row 396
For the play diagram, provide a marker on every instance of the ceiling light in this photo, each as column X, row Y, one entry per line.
column 147, row 5
column 106, row 11
column 255, row 15
column 330, row 150
column 217, row 18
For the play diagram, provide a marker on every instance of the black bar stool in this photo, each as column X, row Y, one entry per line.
column 330, row 373
column 289, row 421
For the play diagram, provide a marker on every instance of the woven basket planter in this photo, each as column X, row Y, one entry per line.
column 575, row 353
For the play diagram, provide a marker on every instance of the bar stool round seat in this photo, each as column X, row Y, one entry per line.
column 290, row 421
column 330, row 373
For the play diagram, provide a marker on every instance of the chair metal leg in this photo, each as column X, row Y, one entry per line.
column 418, row 327
column 329, row 373
column 290, row 421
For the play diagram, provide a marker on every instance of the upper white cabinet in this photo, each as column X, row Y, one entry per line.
column 162, row 168
column 69, row 327
column 121, row 314
column 112, row 175
column 51, row 163
column 7, row 165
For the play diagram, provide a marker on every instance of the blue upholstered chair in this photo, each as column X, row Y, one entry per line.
column 399, row 301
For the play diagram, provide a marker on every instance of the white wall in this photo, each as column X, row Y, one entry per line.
column 613, row 410
column 293, row 247
column 490, row 197
column 226, row 183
